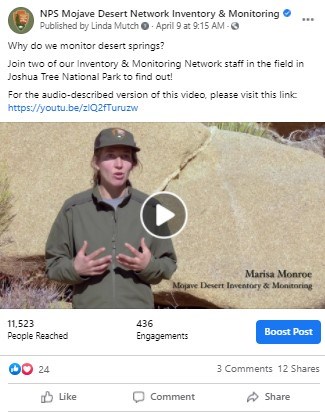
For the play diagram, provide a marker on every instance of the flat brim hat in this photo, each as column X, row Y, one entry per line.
column 114, row 137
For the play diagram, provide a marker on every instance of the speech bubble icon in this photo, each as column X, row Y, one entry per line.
column 138, row 396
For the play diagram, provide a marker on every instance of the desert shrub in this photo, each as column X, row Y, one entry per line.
column 23, row 284
column 18, row 296
column 251, row 128
column 6, row 201
column 310, row 139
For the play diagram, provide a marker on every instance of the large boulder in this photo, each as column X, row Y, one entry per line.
column 255, row 207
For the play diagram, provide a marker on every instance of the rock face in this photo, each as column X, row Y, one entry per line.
column 255, row 207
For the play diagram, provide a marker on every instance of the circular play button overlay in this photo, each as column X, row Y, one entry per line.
column 163, row 215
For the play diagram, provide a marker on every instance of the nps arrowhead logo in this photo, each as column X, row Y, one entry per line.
column 118, row 133
column 21, row 20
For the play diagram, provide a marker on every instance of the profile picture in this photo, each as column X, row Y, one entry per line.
column 21, row 20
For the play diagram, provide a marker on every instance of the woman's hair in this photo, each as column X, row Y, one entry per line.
column 96, row 174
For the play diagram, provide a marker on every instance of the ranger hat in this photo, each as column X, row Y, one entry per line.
column 113, row 137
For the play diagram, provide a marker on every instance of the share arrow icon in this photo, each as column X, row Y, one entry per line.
column 252, row 397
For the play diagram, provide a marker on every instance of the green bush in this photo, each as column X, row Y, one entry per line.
column 6, row 200
column 251, row 128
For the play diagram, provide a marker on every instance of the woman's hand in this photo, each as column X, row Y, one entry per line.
column 88, row 265
column 140, row 260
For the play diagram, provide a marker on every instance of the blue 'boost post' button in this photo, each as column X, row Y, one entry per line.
column 288, row 332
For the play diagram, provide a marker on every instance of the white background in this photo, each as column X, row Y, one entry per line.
column 103, row 362
column 286, row 38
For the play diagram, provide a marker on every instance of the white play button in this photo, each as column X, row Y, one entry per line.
column 163, row 215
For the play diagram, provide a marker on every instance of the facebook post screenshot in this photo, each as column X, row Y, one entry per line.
column 162, row 206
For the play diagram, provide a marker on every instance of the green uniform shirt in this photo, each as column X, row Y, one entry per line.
column 86, row 217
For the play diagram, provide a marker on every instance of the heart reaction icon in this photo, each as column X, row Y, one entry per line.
column 27, row 369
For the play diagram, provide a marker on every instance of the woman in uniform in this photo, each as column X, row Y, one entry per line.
column 97, row 242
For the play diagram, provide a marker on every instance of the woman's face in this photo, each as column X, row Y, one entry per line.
column 114, row 164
